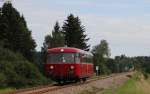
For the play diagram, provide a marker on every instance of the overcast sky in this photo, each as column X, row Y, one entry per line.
column 125, row 24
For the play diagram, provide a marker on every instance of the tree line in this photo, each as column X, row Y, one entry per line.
column 14, row 33
column 17, row 51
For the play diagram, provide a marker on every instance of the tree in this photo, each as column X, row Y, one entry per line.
column 102, row 50
column 101, row 53
column 3, row 30
column 123, row 63
column 57, row 36
column 74, row 33
column 16, row 71
column 15, row 32
column 54, row 40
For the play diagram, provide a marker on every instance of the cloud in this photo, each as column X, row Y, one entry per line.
column 147, row 1
column 125, row 36
column 123, row 23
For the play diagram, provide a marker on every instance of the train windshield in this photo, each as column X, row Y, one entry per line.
column 61, row 58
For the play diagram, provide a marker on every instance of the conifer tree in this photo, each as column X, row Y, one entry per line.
column 15, row 32
column 57, row 36
column 54, row 40
column 75, row 33
column 3, row 30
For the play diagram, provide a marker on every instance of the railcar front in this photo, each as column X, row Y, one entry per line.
column 63, row 64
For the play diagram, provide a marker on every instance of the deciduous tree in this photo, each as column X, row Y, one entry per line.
column 101, row 54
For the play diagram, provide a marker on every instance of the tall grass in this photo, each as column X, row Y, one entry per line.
column 6, row 90
column 136, row 85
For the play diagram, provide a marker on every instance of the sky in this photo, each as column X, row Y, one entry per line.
column 125, row 24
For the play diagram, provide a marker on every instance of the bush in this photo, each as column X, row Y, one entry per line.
column 2, row 80
column 17, row 72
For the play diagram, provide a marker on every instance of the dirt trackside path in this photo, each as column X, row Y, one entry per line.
column 102, row 84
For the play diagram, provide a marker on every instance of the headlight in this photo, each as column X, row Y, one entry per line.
column 51, row 67
column 72, row 67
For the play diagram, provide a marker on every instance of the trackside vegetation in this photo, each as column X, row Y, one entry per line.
column 16, row 71
column 135, row 85
column 14, row 33
column 5, row 90
column 17, row 52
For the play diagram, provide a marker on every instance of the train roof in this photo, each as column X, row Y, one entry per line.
column 67, row 49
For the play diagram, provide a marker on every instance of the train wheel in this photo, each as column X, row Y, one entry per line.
column 76, row 80
column 84, row 79
column 60, row 82
column 64, row 81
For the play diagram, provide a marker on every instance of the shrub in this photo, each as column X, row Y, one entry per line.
column 16, row 71
column 2, row 80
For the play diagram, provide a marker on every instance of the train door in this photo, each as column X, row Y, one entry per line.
column 81, row 65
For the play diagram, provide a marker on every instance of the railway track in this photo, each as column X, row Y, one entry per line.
column 49, row 88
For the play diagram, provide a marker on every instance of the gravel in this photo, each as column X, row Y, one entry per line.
column 101, row 84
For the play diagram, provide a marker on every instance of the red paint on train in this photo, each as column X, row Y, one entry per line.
column 66, row 63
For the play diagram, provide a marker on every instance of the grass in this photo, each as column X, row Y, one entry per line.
column 135, row 85
column 6, row 90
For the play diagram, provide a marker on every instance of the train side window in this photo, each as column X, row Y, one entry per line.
column 77, row 58
column 54, row 58
column 89, row 59
column 84, row 58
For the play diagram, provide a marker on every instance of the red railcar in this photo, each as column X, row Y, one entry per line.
column 65, row 64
